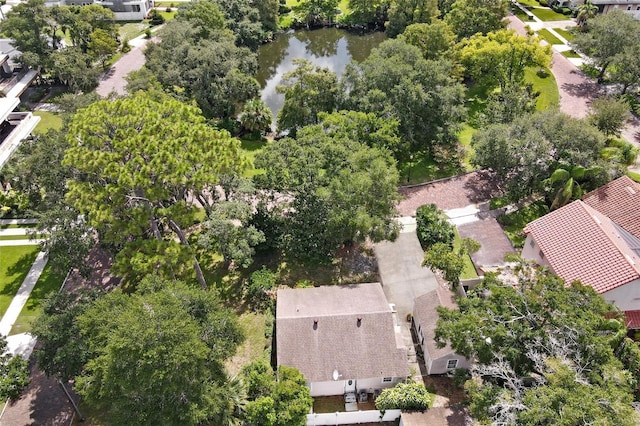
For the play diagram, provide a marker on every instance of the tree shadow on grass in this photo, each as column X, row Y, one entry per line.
column 19, row 269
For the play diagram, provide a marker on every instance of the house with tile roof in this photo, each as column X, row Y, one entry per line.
column 619, row 200
column 425, row 316
column 342, row 338
column 578, row 242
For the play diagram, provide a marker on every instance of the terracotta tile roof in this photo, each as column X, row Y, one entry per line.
column 346, row 328
column 632, row 319
column 619, row 200
column 426, row 315
column 580, row 243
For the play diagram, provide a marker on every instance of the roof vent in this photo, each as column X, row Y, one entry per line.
column 315, row 324
column 630, row 190
column 359, row 323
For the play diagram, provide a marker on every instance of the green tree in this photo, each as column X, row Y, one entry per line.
column 314, row 12
column 243, row 18
column 340, row 191
column 609, row 115
column 524, row 153
column 196, row 61
column 410, row 396
column 436, row 40
column 433, row 226
column 156, row 355
column 626, row 70
column 307, row 90
column 567, row 179
column 403, row 13
column 63, row 351
column 515, row 332
column 26, row 25
column 256, row 116
column 469, row 17
column 441, row 257
column 140, row 164
column 72, row 68
column 500, row 58
column 507, row 104
column 586, row 11
column 14, row 372
column 281, row 399
column 102, row 46
column 268, row 11
column 227, row 229
column 396, row 80
column 607, row 37
column 368, row 11
column 367, row 128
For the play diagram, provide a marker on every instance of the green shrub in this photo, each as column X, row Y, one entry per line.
column 126, row 47
column 260, row 287
column 634, row 103
column 410, row 396
column 433, row 226
column 147, row 33
column 168, row 10
column 156, row 18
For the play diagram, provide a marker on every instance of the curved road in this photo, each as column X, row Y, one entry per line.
column 577, row 90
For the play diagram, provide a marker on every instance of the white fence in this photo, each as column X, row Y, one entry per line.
column 351, row 417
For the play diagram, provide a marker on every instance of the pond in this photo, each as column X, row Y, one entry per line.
column 327, row 47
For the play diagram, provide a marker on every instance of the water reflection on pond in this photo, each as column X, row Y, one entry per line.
column 328, row 47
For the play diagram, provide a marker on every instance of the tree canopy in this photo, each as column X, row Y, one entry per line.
column 469, row 17
column 331, row 189
column 156, row 355
column 142, row 166
column 396, row 80
column 545, row 352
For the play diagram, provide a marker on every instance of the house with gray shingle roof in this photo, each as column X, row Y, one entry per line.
column 425, row 316
column 577, row 242
column 342, row 338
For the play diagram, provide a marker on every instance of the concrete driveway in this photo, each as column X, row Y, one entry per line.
column 401, row 272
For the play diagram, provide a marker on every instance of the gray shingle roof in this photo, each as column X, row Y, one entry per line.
column 345, row 328
column 425, row 314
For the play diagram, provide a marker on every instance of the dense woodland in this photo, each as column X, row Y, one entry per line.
column 160, row 180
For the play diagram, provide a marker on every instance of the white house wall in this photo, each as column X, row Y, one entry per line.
column 337, row 387
column 531, row 251
column 626, row 297
column 439, row 365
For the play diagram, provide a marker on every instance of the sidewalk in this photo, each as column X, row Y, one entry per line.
column 22, row 343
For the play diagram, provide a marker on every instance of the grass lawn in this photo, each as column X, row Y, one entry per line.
column 568, row 35
column 48, row 120
column 131, row 30
column 521, row 14
column 548, row 14
column 531, row 3
column 469, row 270
column 633, row 175
column 464, row 137
column 570, row 54
column 547, row 87
column 514, row 223
column 16, row 226
column 17, row 237
column 254, row 325
column 250, row 148
column 549, row 37
column 168, row 16
column 16, row 262
column 424, row 169
column 47, row 284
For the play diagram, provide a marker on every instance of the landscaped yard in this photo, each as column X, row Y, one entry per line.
column 546, row 14
column 549, row 37
column 48, row 120
column 16, row 262
column 531, row 3
column 546, row 85
column 568, row 35
column 633, row 175
column 255, row 326
column 469, row 270
column 131, row 30
column 520, row 14
column 514, row 223
column 47, row 284
column 570, row 54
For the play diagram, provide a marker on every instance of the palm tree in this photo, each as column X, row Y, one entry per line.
column 256, row 116
column 586, row 10
column 568, row 178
